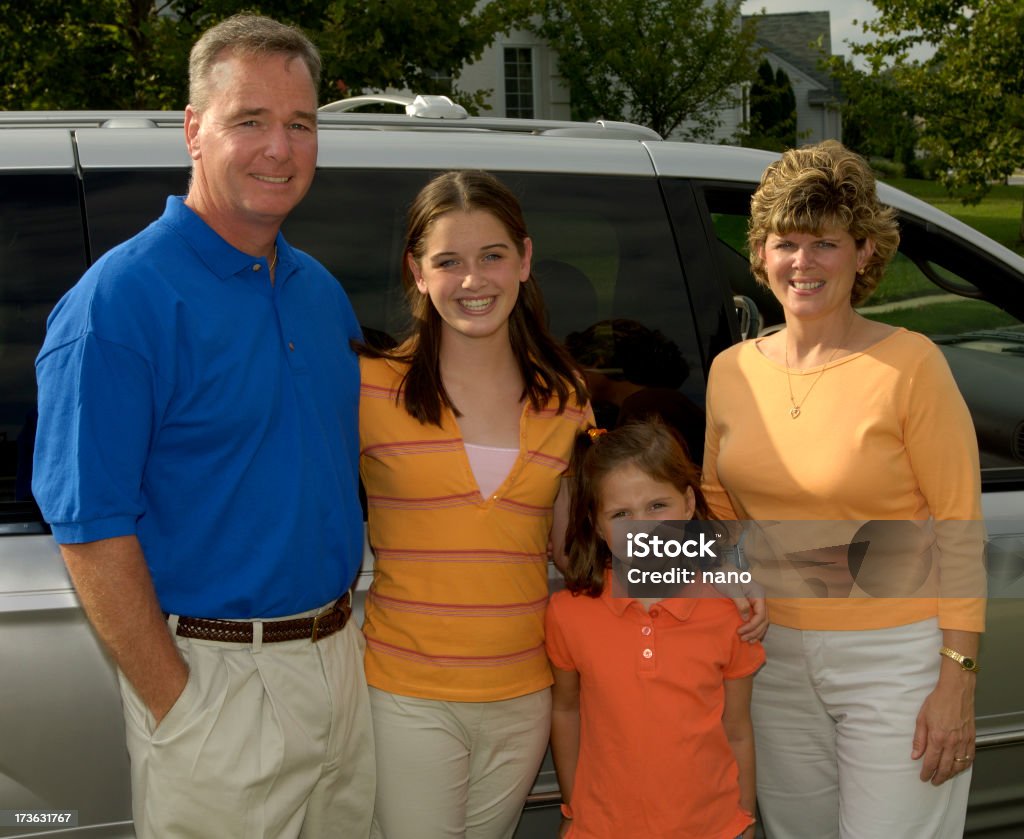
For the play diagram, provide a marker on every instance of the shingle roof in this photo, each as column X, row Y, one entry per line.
column 793, row 36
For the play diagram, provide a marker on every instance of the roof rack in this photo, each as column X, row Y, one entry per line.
column 443, row 110
column 420, row 107
column 431, row 113
column 92, row 119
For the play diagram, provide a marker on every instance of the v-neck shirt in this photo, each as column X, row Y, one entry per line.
column 460, row 583
column 490, row 465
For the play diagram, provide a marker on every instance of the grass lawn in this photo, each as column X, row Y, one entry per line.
column 997, row 216
column 902, row 281
column 948, row 318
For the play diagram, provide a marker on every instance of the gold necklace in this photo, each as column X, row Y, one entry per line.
column 273, row 262
column 794, row 412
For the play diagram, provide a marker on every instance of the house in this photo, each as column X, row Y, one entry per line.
column 794, row 41
column 521, row 70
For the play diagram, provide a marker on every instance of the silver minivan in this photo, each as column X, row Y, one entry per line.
column 631, row 234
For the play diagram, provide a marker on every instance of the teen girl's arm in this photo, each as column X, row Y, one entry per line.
column 565, row 732
column 559, row 524
column 740, row 732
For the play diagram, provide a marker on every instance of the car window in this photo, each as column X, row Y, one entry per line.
column 120, row 203
column 41, row 253
column 604, row 255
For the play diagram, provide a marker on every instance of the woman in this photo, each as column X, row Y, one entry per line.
column 863, row 728
column 466, row 429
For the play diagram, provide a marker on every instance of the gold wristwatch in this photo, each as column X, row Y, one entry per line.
column 965, row 662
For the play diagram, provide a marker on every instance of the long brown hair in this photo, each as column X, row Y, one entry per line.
column 546, row 368
column 651, row 446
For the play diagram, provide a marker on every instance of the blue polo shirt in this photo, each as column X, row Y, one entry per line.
column 185, row 400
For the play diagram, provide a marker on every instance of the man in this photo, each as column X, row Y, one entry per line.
column 197, row 460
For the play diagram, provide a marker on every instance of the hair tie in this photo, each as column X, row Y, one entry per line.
column 594, row 433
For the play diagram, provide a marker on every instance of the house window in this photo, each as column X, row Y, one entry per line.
column 519, row 82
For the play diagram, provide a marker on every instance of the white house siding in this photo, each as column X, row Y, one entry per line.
column 817, row 117
column 551, row 93
column 816, row 121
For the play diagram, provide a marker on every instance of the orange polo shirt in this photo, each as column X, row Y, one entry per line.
column 654, row 758
column 460, row 582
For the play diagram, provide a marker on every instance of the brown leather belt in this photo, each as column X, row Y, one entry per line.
column 314, row 628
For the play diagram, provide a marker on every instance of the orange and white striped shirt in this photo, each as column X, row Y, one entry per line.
column 460, row 585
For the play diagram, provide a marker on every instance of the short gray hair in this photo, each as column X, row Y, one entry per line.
column 246, row 35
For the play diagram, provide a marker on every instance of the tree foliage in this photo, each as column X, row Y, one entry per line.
column 668, row 64
column 878, row 115
column 103, row 54
column 967, row 99
column 420, row 45
column 772, row 124
column 90, row 54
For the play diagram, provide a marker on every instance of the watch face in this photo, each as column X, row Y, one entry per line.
column 969, row 663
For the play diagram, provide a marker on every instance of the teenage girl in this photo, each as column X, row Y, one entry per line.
column 650, row 728
column 466, row 430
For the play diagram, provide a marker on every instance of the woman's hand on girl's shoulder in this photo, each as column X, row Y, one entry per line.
column 753, row 609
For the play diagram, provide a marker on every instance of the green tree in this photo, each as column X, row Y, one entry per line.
column 968, row 97
column 878, row 115
column 420, row 45
column 91, row 54
column 668, row 64
column 772, row 123
column 102, row 54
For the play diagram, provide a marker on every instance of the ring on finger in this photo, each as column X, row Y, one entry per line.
column 964, row 759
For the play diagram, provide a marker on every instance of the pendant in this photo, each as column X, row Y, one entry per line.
column 794, row 412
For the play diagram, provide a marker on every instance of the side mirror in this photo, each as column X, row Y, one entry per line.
column 749, row 317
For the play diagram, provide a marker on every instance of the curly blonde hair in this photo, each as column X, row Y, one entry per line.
column 817, row 187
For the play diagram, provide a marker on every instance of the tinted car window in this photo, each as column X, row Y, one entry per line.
column 121, row 203
column 41, row 253
column 604, row 255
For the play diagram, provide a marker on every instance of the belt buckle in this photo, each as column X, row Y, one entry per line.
column 316, row 624
column 321, row 617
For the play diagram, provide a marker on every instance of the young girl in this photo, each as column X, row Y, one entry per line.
column 650, row 727
column 465, row 430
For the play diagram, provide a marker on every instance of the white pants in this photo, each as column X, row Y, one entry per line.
column 270, row 740
column 448, row 770
column 834, row 716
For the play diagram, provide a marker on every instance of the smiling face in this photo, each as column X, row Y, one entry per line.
column 471, row 269
column 812, row 274
column 254, row 146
